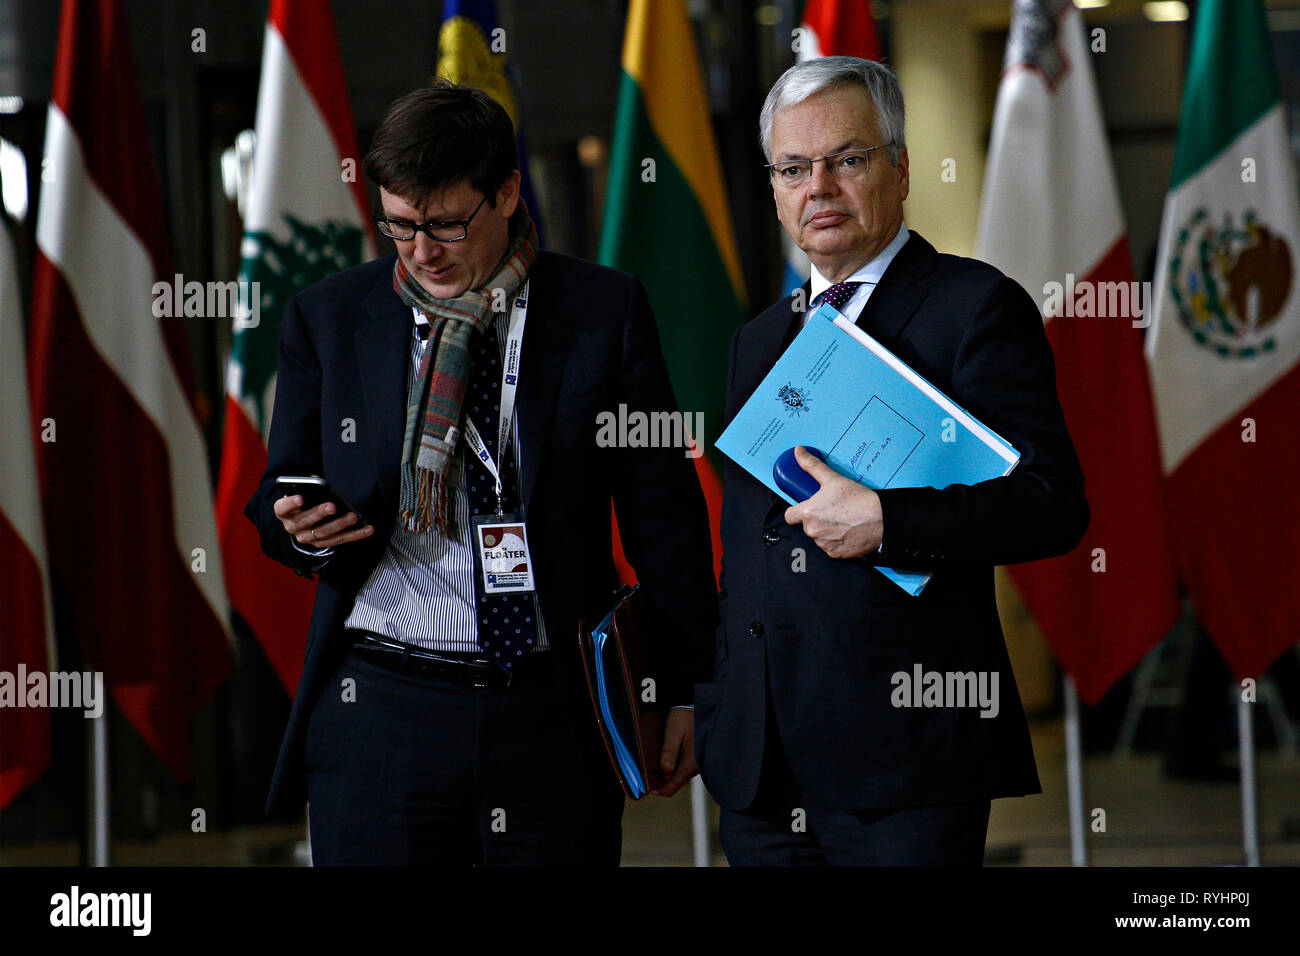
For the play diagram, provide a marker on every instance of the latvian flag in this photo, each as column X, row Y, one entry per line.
column 27, row 645
column 134, row 560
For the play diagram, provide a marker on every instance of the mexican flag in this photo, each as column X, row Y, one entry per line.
column 1051, row 220
column 666, row 219
column 305, row 220
column 1224, row 348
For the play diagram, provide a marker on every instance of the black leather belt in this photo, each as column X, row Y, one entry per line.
column 471, row 670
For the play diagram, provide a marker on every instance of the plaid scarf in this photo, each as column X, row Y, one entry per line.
column 434, row 409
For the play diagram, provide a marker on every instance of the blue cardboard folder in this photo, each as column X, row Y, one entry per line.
column 877, row 421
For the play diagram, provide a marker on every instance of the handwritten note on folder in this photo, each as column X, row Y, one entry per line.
column 880, row 423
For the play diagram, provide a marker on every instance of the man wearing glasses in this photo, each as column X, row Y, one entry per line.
column 450, row 394
column 801, row 735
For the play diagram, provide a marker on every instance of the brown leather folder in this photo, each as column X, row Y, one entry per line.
column 627, row 661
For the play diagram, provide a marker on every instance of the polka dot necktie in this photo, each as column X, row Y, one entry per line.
column 506, row 630
column 838, row 294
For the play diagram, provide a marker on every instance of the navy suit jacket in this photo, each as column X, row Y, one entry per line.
column 816, row 650
column 590, row 344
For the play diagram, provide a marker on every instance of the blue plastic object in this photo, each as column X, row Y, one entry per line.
column 792, row 479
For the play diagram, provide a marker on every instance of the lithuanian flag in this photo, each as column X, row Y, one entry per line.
column 666, row 218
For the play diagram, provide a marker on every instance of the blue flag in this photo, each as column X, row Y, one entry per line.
column 472, row 51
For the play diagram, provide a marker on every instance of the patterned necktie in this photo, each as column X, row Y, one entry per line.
column 839, row 293
column 506, row 630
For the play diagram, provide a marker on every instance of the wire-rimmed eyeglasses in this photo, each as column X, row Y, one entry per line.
column 846, row 164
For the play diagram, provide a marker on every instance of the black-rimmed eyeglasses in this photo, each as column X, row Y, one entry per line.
column 446, row 230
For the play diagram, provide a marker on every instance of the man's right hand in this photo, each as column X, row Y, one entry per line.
column 313, row 527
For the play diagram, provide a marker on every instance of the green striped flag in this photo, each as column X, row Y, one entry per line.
column 666, row 218
column 1224, row 350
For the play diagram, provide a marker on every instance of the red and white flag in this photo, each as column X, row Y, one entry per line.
column 306, row 220
column 828, row 28
column 838, row 28
column 133, row 550
column 27, row 627
column 1051, row 220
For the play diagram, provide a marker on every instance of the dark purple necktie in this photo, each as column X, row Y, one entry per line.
column 506, row 630
column 838, row 294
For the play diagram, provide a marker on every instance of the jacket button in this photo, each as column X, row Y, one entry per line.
column 756, row 629
column 771, row 536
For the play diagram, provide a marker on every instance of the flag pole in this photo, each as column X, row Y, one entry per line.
column 1249, row 814
column 302, row 849
column 699, row 822
column 97, row 811
column 1074, row 775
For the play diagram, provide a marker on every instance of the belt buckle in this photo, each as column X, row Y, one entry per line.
column 488, row 669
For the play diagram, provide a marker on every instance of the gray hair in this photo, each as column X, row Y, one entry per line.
column 811, row 77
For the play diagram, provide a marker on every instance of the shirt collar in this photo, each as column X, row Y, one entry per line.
column 422, row 320
column 871, row 272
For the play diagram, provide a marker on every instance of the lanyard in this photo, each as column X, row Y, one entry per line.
column 509, row 383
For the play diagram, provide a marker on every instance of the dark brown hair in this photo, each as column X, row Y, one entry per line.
column 440, row 135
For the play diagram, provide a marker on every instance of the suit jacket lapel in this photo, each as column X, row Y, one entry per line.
column 900, row 291
column 548, row 334
column 769, row 339
column 383, row 348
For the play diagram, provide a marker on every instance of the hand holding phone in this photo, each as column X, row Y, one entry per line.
column 315, row 515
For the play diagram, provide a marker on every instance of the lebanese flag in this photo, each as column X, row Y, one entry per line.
column 828, row 28
column 24, row 584
column 1051, row 212
column 305, row 221
column 134, row 557
column 1224, row 350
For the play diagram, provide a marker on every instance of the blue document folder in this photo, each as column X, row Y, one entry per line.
column 619, row 724
column 877, row 421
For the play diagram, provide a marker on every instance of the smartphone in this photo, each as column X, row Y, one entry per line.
column 316, row 491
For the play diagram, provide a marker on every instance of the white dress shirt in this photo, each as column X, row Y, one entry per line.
column 868, row 275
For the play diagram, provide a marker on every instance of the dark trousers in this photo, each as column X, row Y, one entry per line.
column 417, row 770
column 784, row 829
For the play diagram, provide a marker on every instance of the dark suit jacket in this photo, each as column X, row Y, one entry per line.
column 590, row 344
column 815, row 651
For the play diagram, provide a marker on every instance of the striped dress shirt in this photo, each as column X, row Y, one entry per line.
column 422, row 590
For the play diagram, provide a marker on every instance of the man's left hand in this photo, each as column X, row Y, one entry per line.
column 844, row 518
column 677, row 760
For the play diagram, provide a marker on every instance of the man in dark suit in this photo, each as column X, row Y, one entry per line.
column 440, row 719
column 803, row 735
